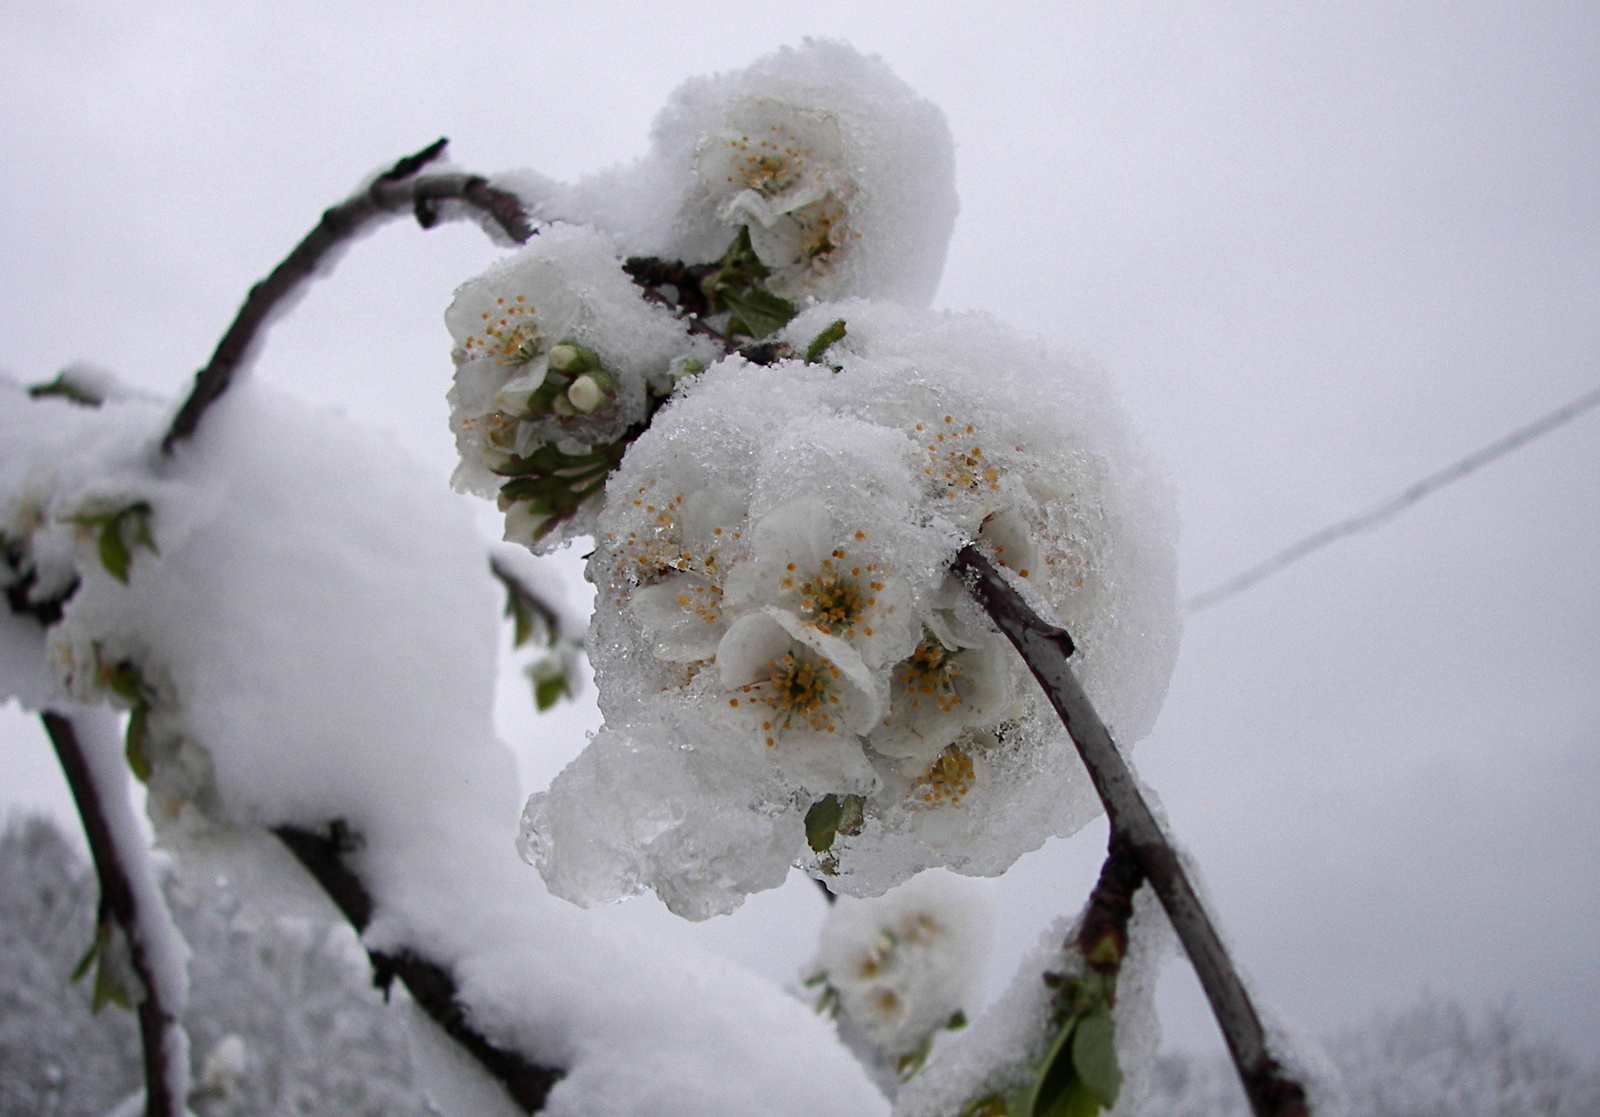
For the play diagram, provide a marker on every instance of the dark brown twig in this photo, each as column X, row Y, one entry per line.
column 1109, row 910
column 689, row 302
column 431, row 985
column 119, row 899
column 1045, row 648
column 529, row 600
column 397, row 190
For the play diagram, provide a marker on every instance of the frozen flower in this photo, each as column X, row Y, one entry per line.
column 802, row 693
column 938, row 692
column 840, row 174
column 777, row 170
column 828, row 577
column 897, row 969
column 667, row 557
column 558, row 359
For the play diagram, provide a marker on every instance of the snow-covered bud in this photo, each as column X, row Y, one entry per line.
column 515, row 397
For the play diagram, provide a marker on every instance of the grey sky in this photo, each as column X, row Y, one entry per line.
column 1324, row 249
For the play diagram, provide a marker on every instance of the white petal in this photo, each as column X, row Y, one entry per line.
column 751, row 643
column 859, row 705
column 682, row 616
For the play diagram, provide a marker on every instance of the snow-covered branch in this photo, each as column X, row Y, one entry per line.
column 136, row 930
column 1045, row 647
column 431, row 985
column 391, row 193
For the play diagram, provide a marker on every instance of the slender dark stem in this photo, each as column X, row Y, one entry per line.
column 431, row 985
column 1045, row 648
column 399, row 189
column 652, row 274
column 529, row 600
column 119, row 899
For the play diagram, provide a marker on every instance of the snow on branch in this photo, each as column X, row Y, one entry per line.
column 136, row 930
column 431, row 985
column 398, row 189
column 1045, row 648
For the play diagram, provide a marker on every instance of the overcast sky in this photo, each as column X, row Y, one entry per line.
column 1325, row 249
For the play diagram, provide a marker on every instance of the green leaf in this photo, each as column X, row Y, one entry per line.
column 87, row 960
column 523, row 622
column 547, row 692
column 1075, row 1101
column 138, row 737
column 127, row 682
column 1056, row 1074
column 759, row 312
column 116, row 529
column 106, row 989
column 824, row 341
column 831, row 816
column 114, row 554
column 1094, row 1056
column 67, row 389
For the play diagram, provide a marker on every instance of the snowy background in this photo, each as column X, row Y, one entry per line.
column 1323, row 249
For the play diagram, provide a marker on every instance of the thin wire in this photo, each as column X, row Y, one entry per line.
column 1394, row 506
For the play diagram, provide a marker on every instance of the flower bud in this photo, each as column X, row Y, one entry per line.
column 525, row 524
column 574, row 358
column 587, row 393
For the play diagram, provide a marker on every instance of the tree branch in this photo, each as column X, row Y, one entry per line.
column 1045, row 647
column 431, row 985
column 399, row 189
column 165, row 1048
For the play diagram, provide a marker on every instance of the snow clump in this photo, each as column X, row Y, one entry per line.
column 841, row 176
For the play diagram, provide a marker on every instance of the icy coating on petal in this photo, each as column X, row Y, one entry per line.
column 775, row 600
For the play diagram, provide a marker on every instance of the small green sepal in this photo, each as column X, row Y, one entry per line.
column 825, row 341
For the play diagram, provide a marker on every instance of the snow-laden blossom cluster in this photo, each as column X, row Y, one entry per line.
column 897, row 970
column 839, row 174
column 558, row 357
column 788, row 672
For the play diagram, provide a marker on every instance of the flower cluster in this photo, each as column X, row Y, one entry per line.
column 559, row 360
column 896, row 970
column 776, row 623
column 789, row 673
column 839, row 175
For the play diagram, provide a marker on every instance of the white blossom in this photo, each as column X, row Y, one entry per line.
column 897, row 969
column 843, row 176
column 557, row 356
